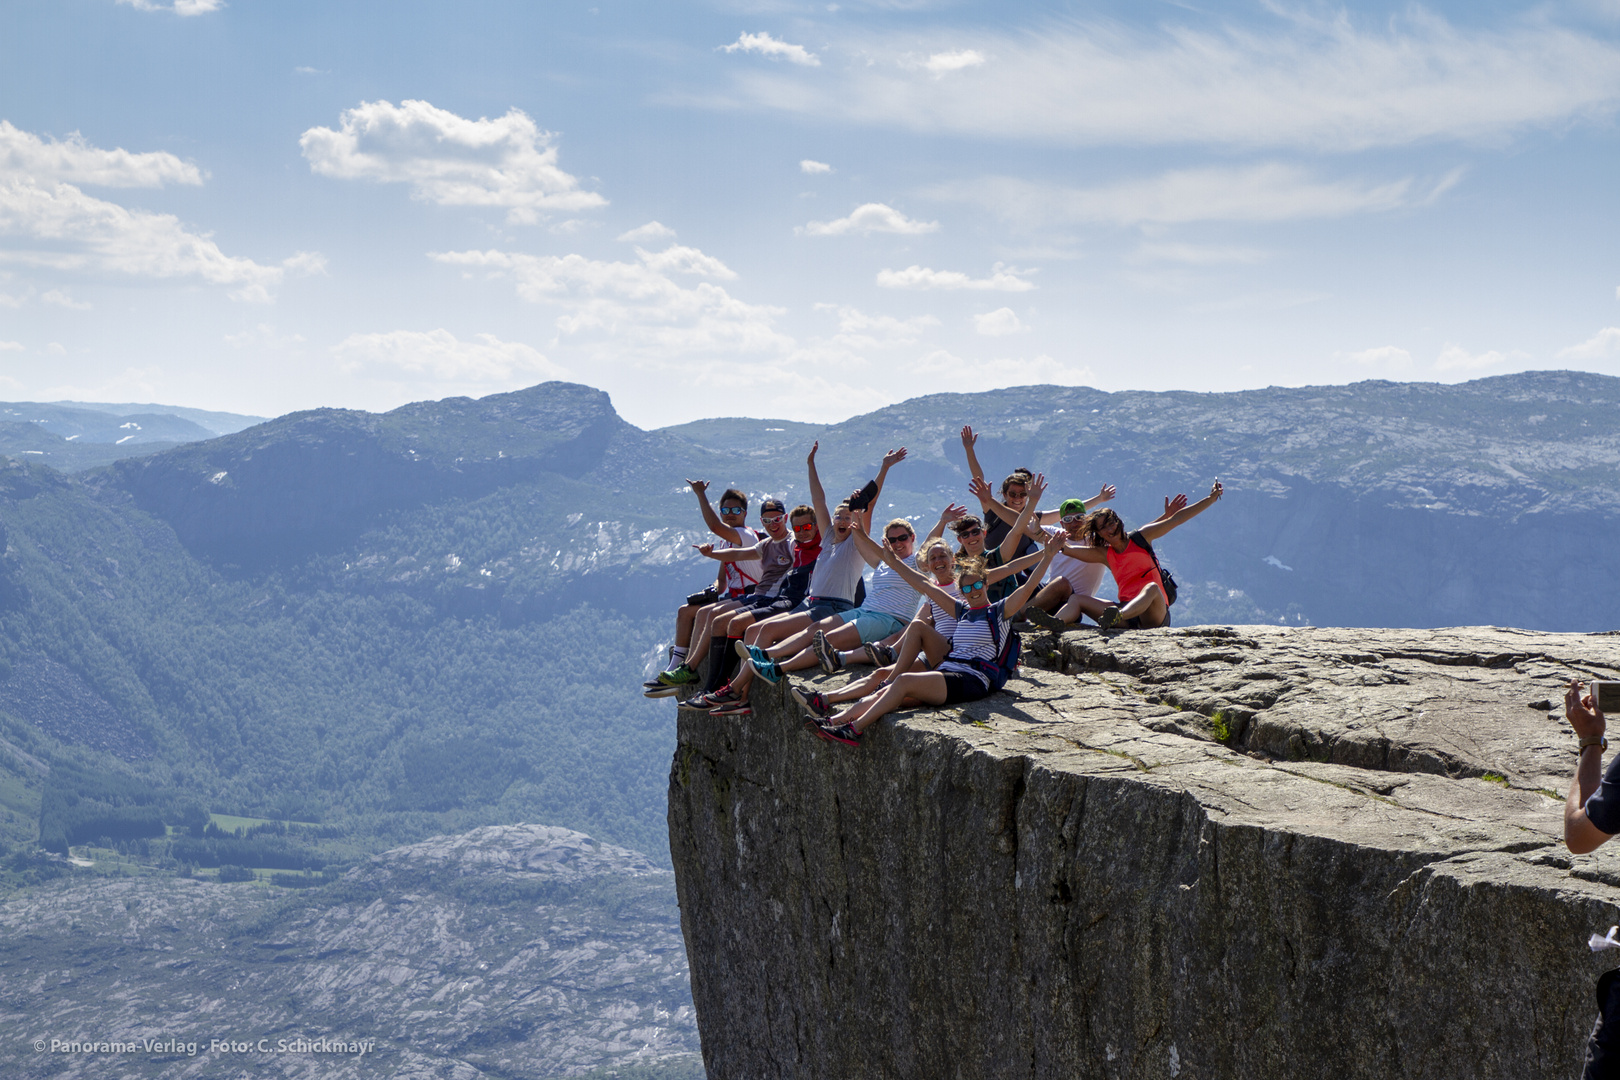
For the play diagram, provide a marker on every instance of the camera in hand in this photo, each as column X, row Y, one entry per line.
column 1606, row 695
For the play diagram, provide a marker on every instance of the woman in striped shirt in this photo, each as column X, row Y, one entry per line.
column 973, row 668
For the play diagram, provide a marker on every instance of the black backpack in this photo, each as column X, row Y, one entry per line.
column 1169, row 582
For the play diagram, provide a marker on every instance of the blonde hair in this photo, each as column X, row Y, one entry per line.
column 969, row 567
column 927, row 552
column 903, row 523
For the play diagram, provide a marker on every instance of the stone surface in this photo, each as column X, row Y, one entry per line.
column 1080, row 878
column 511, row 951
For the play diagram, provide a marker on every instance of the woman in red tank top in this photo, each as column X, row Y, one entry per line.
column 1142, row 601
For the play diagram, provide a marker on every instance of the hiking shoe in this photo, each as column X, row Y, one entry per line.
column 843, row 733
column 723, row 696
column 659, row 691
column 679, row 675
column 1043, row 619
column 767, row 669
column 826, row 655
column 879, row 654
column 701, row 702
column 815, row 703
column 1109, row 618
column 732, row 708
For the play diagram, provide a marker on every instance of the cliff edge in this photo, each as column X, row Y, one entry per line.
column 1190, row 853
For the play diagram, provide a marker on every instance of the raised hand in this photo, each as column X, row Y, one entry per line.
column 707, row 549
column 1582, row 712
column 969, row 440
column 1215, row 490
column 699, row 486
column 981, row 490
column 894, row 457
column 1035, row 489
column 1175, row 505
column 1105, row 495
column 952, row 513
column 811, row 460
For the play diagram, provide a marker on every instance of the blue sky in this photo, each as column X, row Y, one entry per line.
column 797, row 210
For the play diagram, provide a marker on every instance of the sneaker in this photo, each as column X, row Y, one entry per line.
column 843, row 733
column 700, row 702
column 880, row 655
column 1043, row 619
column 826, row 655
column 651, row 684
column 1109, row 618
column 723, row 696
column 743, row 649
column 768, row 670
column 732, row 708
column 660, row 691
column 815, row 703
column 679, row 675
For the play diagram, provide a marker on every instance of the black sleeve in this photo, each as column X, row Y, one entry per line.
column 1603, row 808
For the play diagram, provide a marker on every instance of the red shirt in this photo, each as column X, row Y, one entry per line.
column 1133, row 569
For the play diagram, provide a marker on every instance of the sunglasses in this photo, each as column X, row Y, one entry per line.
column 808, row 526
column 777, row 520
column 970, row 532
column 1070, row 519
column 728, row 511
column 1019, row 494
column 901, row 539
column 969, row 590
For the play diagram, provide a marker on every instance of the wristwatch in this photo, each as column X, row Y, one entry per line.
column 1593, row 740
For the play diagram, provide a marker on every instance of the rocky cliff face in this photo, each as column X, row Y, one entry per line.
column 1206, row 852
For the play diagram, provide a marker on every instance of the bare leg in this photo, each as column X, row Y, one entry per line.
column 1052, row 595
column 801, row 639
column 1147, row 605
column 927, row 687
column 705, row 627
column 685, row 616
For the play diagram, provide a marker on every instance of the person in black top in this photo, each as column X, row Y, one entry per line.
column 1591, row 818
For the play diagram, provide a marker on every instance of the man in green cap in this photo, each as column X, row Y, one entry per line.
column 1069, row 576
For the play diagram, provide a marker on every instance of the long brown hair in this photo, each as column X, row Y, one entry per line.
column 1094, row 525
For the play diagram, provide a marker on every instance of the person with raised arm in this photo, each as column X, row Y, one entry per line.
column 734, row 579
column 1143, row 602
column 975, row 666
column 832, row 582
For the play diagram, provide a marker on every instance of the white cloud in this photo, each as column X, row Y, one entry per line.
column 870, row 218
column 1456, row 358
column 53, row 224
column 641, row 234
column 921, row 277
column 447, row 159
column 1600, row 346
column 441, row 355
column 1339, row 83
column 75, row 161
column 634, row 305
column 998, row 323
column 308, row 263
column 1270, row 191
column 265, row 336
column 859, row 331
column 179, row 7
column 59, row 298
column 808, row 166
column 11, row 346
column 1385, row 357
column 766, row 45
column 56, row 348
column 942, row 63
column 686, row 260
column 61, row 228
column 7, row 300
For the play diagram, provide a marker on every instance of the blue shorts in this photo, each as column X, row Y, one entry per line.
column 873, row 625
column 756, row 602
column 820, row 607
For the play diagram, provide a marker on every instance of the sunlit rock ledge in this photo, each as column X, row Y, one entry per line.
column 1207, row 852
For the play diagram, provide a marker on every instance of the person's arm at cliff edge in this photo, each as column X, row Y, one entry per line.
column 700, row 488
column 891, row 459
column 1580, row 835
column 1158, row 528
column 818, row 497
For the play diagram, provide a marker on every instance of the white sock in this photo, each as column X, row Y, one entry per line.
column 677, row 655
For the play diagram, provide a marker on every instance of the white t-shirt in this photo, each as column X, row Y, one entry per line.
column 1085, row 578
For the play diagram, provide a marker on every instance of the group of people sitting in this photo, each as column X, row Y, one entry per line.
column 933, row 622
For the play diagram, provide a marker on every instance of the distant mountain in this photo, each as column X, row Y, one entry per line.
column 435, row 618
column 72, row 436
